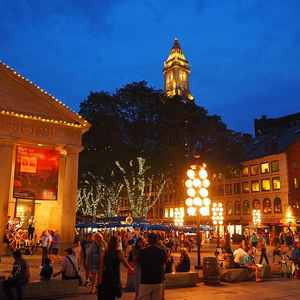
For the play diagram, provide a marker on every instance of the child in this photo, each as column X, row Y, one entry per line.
column 249, row 263
column 170, row 261
column 47, row 270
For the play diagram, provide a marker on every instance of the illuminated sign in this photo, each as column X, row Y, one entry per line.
column 36, row 173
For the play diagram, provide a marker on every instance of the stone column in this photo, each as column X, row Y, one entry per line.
column 68, row 217
column 7, row 145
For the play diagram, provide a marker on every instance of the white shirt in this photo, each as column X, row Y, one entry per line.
column 239, row 256
column 69, row 269
column 46, row 240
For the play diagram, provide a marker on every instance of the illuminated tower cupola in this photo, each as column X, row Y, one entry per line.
column 176, row 73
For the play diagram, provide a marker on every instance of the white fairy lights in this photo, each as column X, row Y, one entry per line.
column 179, row 216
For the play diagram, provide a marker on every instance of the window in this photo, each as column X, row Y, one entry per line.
column 255, row 186
column 295, row 164
column 277, row 205
column 236, row 188
column 245, row 171
column 264, row 168
column 237, row 208
column 160, row 213
column 246, row 207
column 267, row 208
column 255, row 204
column 229, row 210
column 265, row 185
column 166, row 213
column 254, row 170
column 228, row 189
column 171, row 197
column 214, row 177
column 220, row 176
column 155, row 213
column 221, row 190
column 276, row 183
column 245, row 187
column 296, row 182
column 275, row 166
column 236, row 173
column 171, row 213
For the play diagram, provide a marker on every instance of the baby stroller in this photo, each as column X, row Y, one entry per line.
column 286, row 266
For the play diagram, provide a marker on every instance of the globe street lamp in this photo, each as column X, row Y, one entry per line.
column 198, row 201
column 256, row 217
column 217, row 211
column 179, row 216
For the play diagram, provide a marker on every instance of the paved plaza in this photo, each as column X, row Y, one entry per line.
column 272, row 288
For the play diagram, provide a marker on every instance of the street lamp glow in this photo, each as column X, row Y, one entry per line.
column 197, row 182
column 197, row 201
column 206, row 201
column 206, row 183
column 189, row 202
column 189, row 183
column 191, row 211
column 191, row 192
column 203, row 192
column 191, row 174
column 203, row 174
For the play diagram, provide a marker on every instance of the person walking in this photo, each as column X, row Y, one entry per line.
column 263, row 248
column 110, row 269
column 139, row 244
column 152, row 261
column 19, row 276
column 46, row 243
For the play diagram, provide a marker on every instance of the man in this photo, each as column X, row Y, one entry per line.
column 46, row 242
column 69, row 266
column 55, row 247
column 263, row 248
column 19, row 276
column 289, row 243
column 152, row 261
column 239, row 255
column 277, row 248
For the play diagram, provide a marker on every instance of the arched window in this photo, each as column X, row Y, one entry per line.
column 246, row 207
column 255, row 204
column 171, row 213
column 166, row 213
column 160, row 213
column 267, row 206
column 229, row 208
column 277, row 205
column 237, row 208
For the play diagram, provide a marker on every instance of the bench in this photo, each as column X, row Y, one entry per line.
column 46, row 289
column 243, row 274
column 181, row 280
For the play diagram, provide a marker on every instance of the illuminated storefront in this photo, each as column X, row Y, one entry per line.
column 40, row 140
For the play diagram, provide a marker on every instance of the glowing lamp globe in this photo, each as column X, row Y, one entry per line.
column 203, row 192
column 214, row 204
column 221, row 209
column 221, row 218
column 206, row 201
column 214, row 218
column 217, row 218
column 204, row 211
column 189, row 183
column 197, row 182
column 197, row 201
column 214, row 213
column 220, row 204
column 191, row 211
column 213, row 209
column 206, row 183
column 191, row 174
column 191, row 192
column 189, row 202
column 220, row 222
column 203, row 174
column 215, row 222
column 217, row 209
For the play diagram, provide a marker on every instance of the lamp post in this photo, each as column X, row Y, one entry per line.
column 198, row 201
column 217, row 211
column 179, row 216
column 256, row 217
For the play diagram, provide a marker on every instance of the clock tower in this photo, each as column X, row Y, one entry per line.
column 176, row 73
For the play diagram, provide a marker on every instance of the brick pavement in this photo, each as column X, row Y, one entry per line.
column 275, row 288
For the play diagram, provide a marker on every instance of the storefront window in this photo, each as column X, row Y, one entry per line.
column 264, row 168
column 266, row 185
column 237, row 208
column 254, row 170
column 246, row 207
column 238, row 229
column 245, row 187
column 229, row 208
column 166, row 213
column 228, row 189
column 245, row 171
column 277, row 205
column 296, row 182
column 256, row 204
column 236, row 188
column 267, row 206
column 276, row 183
column 24, row 210
column 171, row 213
column 255, row 186
column 275, row 166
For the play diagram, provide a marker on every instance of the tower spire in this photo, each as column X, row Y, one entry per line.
column 176, row 73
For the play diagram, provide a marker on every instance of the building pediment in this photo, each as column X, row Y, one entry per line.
column 22, row 99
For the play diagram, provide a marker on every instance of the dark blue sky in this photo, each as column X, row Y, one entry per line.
column 244, row 54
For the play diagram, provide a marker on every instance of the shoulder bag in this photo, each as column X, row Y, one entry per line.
column 77, row 274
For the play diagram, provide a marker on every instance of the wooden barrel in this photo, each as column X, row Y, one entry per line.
column 211, row 271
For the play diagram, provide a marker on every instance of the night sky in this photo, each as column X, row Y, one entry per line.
column 244, row 55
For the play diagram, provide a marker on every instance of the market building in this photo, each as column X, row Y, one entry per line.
column 40, row 140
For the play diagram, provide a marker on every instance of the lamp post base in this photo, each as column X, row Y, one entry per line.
column 198, row 267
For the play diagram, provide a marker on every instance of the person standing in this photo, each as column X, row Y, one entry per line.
column 77, row 251
column 46, row 243
column 19, row 276
column 139, row 244
column 263, row 249
column 254, row 242
column 152, row 261
column 85, row 245
column 55, row 247
column 31, row 227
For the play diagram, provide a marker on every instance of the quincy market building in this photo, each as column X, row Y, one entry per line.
column 40, row 141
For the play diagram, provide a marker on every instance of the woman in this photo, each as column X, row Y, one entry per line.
column 139, row 244
column 184, row 261
column 94, row 259
column 110, row 269
column 228, row 259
